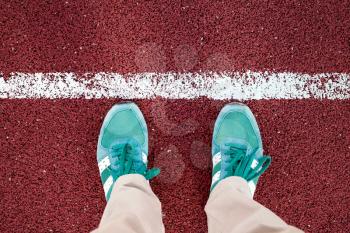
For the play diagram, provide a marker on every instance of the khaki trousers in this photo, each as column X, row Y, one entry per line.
column 134, row 208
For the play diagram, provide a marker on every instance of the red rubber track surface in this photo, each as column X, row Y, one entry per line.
column 48, row 170
column 51, row 180
column 305, row 36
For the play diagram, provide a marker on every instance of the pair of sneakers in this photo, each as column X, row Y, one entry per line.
column 236, row 146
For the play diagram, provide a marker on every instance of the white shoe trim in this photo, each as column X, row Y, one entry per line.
column 215, row 178
column 252, row 187
column 144, row 158
column 103, row 164
column 107, row 185
column 254, row 164
column 216, row 159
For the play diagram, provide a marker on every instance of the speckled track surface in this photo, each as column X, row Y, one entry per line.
column 132, row 36
column 49, row 176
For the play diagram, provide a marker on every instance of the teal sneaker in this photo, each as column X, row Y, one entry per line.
column 123, row 146
column 237, row 147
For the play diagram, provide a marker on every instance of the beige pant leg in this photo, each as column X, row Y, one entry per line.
column 230, row 209
column 132, row 208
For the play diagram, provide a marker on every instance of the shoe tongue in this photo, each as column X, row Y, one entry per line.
column 236, row 146
column 233, row 150
column 129, row 146
column 129, row 143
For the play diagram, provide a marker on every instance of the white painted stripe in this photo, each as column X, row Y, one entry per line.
column 216, row 159
column 107, row 185
column 230, row 85
column 103, row 164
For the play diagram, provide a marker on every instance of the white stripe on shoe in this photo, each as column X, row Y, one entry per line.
column 216, row 159
column 215, row 178
column 254, row 164
column 107, row 185
column 252, row 187
column 103, row 164
column 144, row 158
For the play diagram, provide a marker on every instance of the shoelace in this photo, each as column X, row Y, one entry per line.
column 129, row 162
column 240, row 164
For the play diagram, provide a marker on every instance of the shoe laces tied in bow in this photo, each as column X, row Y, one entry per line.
column 244, row 162
column 126, row 158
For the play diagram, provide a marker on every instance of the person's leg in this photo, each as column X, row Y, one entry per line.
column 231, row 209
column 238, row 162
column 132, row 208
column 122, row 153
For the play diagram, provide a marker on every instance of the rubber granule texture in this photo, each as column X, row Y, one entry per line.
column 51, row 180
